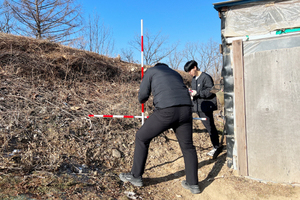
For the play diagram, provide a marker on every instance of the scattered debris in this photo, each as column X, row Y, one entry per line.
column 132, row 195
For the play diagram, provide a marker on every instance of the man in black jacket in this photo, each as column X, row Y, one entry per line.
column 205, row 103
column 173, row 109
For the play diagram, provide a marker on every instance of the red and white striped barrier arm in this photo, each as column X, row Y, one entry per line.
column 118, row 116
column 130, row 116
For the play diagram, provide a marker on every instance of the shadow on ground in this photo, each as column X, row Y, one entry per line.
column 219, row 163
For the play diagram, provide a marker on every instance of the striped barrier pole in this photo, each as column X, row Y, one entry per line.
column 118, row 116
column 131, row 116
column 142, row 68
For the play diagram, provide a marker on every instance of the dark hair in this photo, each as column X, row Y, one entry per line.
column 190, row 65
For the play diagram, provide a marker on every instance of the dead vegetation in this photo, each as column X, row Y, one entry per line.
column 47, row 92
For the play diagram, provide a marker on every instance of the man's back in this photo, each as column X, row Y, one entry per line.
column 166, row 86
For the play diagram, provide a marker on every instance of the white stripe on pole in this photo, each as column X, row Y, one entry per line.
column 204, row 119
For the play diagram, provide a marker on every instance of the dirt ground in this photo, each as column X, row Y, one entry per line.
column 216, row 180
column 162, row 179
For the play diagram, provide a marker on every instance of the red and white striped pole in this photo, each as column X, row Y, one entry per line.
column 130, row 116
column 142, row 67
column 118, row 116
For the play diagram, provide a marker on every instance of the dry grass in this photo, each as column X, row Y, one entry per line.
column 47, row 92
column 49, row 147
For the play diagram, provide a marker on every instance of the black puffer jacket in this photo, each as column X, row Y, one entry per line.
column 204, row 100
column 166, row 86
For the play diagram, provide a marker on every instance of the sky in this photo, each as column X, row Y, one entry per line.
column 181, row 20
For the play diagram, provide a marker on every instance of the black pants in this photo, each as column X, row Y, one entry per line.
column 209, row 124
column 180, row 120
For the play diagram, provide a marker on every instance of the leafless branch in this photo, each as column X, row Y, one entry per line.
column 207, row 55
column 155, row 47
column 54, row 20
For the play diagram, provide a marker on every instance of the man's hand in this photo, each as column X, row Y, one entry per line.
column 193, row 92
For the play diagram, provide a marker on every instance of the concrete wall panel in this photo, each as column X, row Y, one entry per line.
column 272, row 100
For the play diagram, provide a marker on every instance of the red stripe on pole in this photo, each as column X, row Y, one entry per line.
column 143, row 107
column 107, row 115
column 91, row 115
column 142, row 72
column 127, row 116
column 142, row 43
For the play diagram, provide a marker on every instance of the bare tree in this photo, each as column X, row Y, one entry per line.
column 155, row 47
column 207, row 55
column 190, row 50
column 175, row 59
column 6, row 21
column 100, row 37
column 127, row 55
column 55, row 20
column 79, row 42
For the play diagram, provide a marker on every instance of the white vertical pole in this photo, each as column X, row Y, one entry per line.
column 142, row 66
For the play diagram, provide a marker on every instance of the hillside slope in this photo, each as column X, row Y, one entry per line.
column 51, row 149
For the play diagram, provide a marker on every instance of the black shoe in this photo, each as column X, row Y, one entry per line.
column 193, row 188
column 128, row 177
column 218, row 151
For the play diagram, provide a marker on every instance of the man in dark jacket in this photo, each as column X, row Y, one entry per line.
column 173, row 109
column 205, row 103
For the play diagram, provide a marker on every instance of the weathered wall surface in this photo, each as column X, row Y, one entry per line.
column 272, row 102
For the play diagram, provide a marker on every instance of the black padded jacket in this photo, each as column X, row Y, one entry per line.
column 204, row 101
column 166, row 86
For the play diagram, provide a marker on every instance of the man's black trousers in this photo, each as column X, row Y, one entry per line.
column 178, row 118
column 209, row 124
